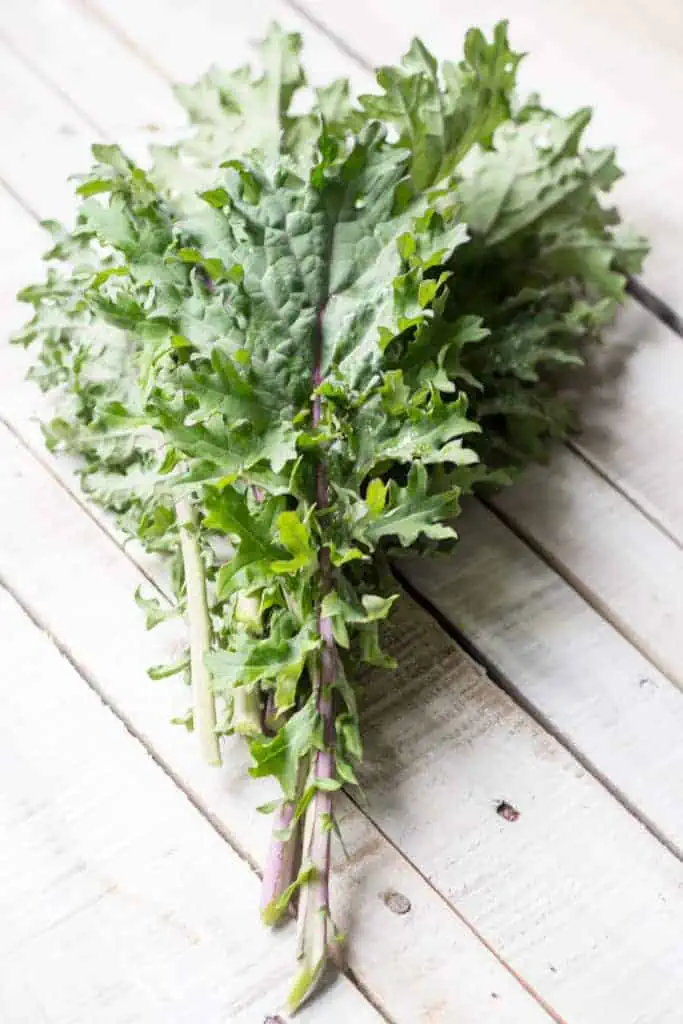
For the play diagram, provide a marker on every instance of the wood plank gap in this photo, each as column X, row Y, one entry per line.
column 333, row 36
column 109, row 868
column 97, row 14
column 11, row 191
column 445, row 899
column 215, row 823
column 655, row 305
column 596, row 467
column 116, row 711
column 499, row 679
column 37, row 70
column 79, row 497
column 582, row 589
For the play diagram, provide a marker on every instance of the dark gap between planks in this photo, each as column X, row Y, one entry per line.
column 499, row 679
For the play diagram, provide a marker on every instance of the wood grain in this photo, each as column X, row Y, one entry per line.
column 585, row 682
column 118, row 900
column 572, row 891
column 445, row 746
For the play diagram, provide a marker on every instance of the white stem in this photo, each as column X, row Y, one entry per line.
column 200, row 632
column 246, row 703
column 246, row 712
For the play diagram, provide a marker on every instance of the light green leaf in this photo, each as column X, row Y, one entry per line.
column 295, row 536
column 280, row 755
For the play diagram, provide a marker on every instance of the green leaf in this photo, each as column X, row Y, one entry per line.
column 295, row 536
column 268, row 807
column 279, row 658
column 271, row 914
column 410, row 512
column 441, row 113
column 280, row 755
column 158, row 672
column 230, row 513
column 155, row 613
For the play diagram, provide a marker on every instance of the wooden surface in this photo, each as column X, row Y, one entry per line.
column 118, row 900
column 570, row 591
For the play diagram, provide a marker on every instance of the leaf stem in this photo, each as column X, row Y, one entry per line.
column 314, row 907
column 314, row 902
column 200, row 632
column 284, row 856
column 246, row 712
column 246, row 701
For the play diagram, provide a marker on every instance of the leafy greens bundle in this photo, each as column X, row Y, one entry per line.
column 290, row 347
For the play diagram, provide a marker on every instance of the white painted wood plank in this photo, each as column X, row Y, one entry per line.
column 632, row 415
column 628, row 569
column 79, row 585
column 44, row 140
column 182, row 38
column 70, row 48
column 118, row 900
column 444, row 746
column 574, row 893
column 583, row 679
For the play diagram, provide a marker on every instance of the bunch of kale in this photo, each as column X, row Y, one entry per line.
column 291, row 346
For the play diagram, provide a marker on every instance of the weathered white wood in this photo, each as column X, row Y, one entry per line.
column 118, row 900
column 44, row 139
column 576, row 882
column 585, row 682
column 70, row 48
column 574, row 893
column 574, row 990
column 182, row 38
column 79, row 586
column 631, row 571
column 632, row 416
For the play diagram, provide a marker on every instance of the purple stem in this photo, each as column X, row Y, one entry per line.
column 281, row 867
column 324, row 765
column 284, row 855
column 314, row 908
column 324, row 762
